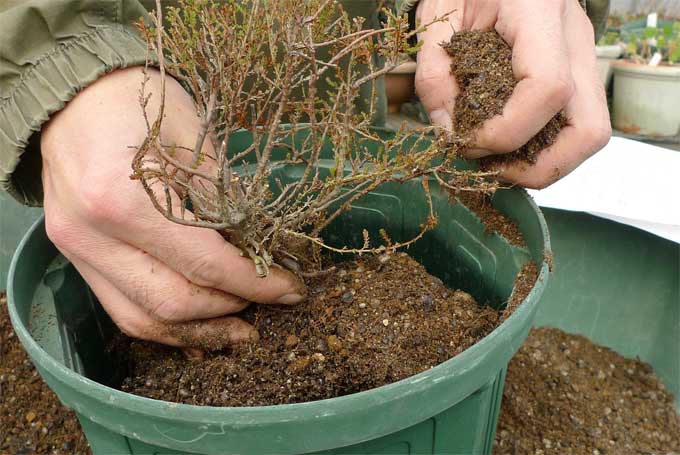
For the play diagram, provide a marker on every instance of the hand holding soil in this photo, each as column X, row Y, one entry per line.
column 553, row 62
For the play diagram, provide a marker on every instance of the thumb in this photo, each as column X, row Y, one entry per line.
column 435, row 85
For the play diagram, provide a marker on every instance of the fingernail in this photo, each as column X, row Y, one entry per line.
column 193, row 353
column 290, row 299
column 442, row 118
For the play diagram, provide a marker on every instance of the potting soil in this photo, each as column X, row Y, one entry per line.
column 566, row 395
column 486, row 81
column 374, row 321
column 32, row 420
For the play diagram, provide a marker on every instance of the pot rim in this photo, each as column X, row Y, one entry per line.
column 627, row 66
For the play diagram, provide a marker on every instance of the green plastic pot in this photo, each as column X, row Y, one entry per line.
column 451, row 408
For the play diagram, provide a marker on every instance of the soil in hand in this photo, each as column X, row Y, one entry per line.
column 33, row 419
column 486, row 82
column 374, row 321
column 566, row 395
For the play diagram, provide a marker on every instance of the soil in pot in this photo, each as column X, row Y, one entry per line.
column 486, row 82
column 566, row 395
column 374, row 321
column 33, row 419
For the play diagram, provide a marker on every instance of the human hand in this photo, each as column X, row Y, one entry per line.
column 553, row 57
column 158, row 280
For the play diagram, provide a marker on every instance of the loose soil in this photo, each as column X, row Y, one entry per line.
column 566, row 395
column 33, row 419
column 374, row 321
column 494, row 220
column 486, row 81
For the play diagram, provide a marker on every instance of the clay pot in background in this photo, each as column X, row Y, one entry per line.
column 400, row 86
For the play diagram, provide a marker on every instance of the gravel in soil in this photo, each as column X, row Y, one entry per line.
column 486, row 81
column 374, row 321
column 566, row 395
column 33, row 419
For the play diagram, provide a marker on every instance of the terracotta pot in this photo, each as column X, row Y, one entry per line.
column 400, row 85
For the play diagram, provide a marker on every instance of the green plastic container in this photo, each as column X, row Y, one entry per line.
column 451, row 408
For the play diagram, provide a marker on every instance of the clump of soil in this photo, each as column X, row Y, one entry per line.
column 486, row 82
column 565, row 394
column 375, row 321
column 33, row 419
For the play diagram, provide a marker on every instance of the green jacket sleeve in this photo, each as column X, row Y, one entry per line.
column 49, row 50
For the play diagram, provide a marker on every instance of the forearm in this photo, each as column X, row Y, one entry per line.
column 50, row 50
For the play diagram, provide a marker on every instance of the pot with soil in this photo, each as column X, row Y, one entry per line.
column 447, row 402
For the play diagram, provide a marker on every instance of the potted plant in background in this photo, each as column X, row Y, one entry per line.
column 647, row 83
column 608, row 50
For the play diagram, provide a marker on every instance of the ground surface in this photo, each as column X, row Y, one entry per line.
column 565, row 395
column 33, row 419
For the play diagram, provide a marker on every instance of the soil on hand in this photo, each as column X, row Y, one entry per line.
column 33, row 419
column 374, row 321
column 566, row 395
column 486, row 81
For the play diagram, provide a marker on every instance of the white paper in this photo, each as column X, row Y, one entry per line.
column 628, row 182
column 655, row 60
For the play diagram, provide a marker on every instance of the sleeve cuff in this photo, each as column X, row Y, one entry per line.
column 44, row 88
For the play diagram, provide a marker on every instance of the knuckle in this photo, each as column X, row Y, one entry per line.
column 599, row 136
column 204, row 270
column 59, row 230
column 165, row 305
column 130, row 328
column 540, row 182
column 560, row 90
column 168, row 310
column 100, row 204
column 430, row 78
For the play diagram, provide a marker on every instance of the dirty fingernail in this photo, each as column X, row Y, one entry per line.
column 193, row 353
column 290, row 299
column 442, row 118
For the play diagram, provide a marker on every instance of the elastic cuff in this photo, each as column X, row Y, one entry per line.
column 45, row 88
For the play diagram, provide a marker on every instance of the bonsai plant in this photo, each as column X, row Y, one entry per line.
column 306, row 78
column 647, row 83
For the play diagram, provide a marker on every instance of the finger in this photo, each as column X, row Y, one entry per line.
column 589, row 126
column 163, row 293
column 435, row 85
column 123, row 210
column 204, row 257
column 481, row 14
column 210, row 334
column 540, row 63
